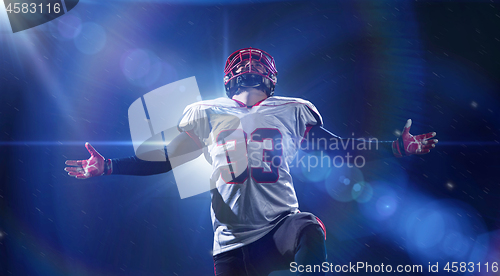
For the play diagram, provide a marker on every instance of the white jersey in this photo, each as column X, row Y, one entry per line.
column 250, row 150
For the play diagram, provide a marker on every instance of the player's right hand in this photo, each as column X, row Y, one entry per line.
column 96, row 165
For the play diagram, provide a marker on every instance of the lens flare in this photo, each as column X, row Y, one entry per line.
column 444, row 231
column 141, row 67
column 455, row 244
column 426, row 228
column 91, row 39
column 135, row 64
column 386, row 206
column 345, row 184
column 4, row 20
column 378, row 202
column 365, row 191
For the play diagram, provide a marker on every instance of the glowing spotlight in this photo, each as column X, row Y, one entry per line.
column 4, row 20
column 386, row 205
column 473, row 104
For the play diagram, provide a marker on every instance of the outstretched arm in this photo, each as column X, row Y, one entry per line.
column 319, row 138
column 182, row 147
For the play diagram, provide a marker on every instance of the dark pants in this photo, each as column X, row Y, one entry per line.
column 298, row 238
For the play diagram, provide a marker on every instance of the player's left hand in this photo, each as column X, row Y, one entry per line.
column 408, row 144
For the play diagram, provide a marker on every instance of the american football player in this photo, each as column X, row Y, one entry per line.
column 251, row 138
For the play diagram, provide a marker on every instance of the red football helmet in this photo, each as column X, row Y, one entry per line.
column 250, row 67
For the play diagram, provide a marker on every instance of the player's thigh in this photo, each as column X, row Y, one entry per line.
column 264, row 257
column 286, row 236
column 229, row 263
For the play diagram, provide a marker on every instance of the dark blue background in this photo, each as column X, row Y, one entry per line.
column 367, row 66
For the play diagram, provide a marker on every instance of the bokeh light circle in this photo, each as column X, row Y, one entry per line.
column 427, row 229
column 314, row 169
column 455, row 244
column 365, row 192
column 378, row 201
column 135, row 64
column 69, row 26
column 141, row 67
column 445, row 230
column 356, row 187
column 345, row 184
column 386, row 205
column 91, row 39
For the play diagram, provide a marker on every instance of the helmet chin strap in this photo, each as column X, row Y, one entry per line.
column 253, row 81
column 239, row 89
column 249, row 81
column 256, row 85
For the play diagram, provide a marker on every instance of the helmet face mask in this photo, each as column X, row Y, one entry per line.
column 250, row 67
